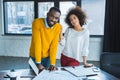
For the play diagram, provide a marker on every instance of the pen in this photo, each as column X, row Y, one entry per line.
column 27, row 76
column 73, row 67
column 91, row 75
column 6, row 76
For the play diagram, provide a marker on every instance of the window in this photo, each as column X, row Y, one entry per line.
column 43, row 8
column 95, row 10
column 64, row 10
column 19, row 14
column 18, row 17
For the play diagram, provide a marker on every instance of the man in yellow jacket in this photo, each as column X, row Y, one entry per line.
column 46, row 33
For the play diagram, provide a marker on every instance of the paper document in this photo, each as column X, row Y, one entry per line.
column 33, row 66
column 81, row 71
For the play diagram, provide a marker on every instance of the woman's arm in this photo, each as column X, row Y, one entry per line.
column 85, row 62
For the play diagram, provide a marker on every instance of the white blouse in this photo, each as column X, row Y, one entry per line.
column 76, row 43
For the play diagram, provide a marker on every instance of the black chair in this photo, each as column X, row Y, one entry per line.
column 110, row 62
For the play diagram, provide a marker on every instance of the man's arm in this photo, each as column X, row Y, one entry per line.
column 61, row 36
column 36, row 40
column 37, row 43
column 54, row 48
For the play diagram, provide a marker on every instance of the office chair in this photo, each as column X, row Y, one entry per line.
column 110, row 62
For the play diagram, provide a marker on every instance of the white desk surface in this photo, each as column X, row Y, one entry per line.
column 27, row 74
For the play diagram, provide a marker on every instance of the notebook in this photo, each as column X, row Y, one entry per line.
column 81, row 71
column 33, row 66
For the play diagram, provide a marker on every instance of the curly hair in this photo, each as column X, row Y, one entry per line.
column 79, row 13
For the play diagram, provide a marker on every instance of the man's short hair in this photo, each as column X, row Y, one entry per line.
column 55, row 8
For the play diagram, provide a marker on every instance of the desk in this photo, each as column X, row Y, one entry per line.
column 27, row 72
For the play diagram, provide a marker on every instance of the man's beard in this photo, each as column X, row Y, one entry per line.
column 50, row 25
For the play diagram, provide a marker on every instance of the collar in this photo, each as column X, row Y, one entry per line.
column 46, row 24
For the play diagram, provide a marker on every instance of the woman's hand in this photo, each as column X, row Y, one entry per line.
column 88, row 65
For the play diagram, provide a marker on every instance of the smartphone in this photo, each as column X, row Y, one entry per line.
column 96, row 69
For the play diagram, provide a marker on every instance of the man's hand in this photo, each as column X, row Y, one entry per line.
column 40, row 67
column 52, row 68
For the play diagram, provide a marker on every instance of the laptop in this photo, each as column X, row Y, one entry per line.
column 81, row 71
column 33, row 66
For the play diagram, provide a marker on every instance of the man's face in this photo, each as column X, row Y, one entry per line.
column 52, row 17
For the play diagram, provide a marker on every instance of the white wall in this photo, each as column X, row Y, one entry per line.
column 19, row 45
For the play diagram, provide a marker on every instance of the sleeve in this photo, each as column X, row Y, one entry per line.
column 85, row 49
column 36, row 40
column 54, row 47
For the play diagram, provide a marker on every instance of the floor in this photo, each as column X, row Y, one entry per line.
column 8, row 63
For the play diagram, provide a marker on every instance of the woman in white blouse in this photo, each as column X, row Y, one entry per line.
column 76, row 39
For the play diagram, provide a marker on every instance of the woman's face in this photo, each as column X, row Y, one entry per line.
column 74, row 20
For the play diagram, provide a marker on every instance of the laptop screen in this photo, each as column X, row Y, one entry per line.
column 33, row 66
